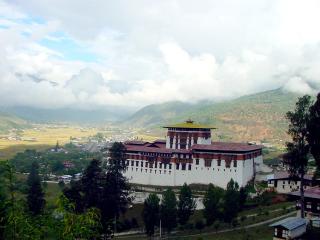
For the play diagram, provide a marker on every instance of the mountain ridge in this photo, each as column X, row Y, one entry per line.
column 254, row 117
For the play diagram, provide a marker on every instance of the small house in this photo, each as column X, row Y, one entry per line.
column 289, row 228
column 282, row 182
column 311, row 201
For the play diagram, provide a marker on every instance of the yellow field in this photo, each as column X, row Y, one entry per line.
column 41, row 138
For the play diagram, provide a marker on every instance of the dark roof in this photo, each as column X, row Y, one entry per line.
column 226, row 147
column 136, row 142
column 286, row 175
column 141, row 148
column 290, row 223
column 159, row 146
column 313, row 192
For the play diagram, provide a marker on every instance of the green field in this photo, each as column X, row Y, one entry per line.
column 41, row 138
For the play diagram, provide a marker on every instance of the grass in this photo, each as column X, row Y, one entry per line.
column 265, row 213
column 263, row 232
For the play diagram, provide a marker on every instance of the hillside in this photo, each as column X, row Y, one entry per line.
column 10, row 121
column 257, row 117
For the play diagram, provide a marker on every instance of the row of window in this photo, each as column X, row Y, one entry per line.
column 151, row 170
column 208, row 162
column 164, row 165
column 149, row 164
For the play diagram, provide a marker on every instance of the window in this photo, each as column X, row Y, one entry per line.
column 132, row 163
column 160, row 165
column 183, row 165
column 207, row 162
column 228, row 162
column 235, row 163
column 308, row 205
column 170, row 166
column 284, row 233
column 177, row 166
column 146, row 164
column 137, row 164
column 275, row 231
column 155, row 165
column 219, row 162
column 189, row 167
column 197, row 161
column 127, row 162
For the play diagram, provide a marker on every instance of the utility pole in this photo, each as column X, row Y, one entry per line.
column 160, row 229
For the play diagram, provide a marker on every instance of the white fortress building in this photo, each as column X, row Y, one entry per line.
column 188, row 155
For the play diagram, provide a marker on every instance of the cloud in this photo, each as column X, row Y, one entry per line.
column 80, row 54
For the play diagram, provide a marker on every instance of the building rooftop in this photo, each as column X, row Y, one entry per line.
column 290, row 223
column 286, row 175
column 214, row 147
column 189, row 124
column 313, row 192
column 227, row 147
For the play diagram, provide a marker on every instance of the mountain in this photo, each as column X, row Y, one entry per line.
column 10, row 121
column 70, row 115
column 256, row 117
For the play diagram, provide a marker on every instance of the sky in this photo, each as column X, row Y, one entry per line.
column 99, row 53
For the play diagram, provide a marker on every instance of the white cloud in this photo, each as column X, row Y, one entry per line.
column 150, row 52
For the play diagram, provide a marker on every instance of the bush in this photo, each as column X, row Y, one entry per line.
column 134, row 223
column 243, row 218
column 234, row 223
column 199, row 225
column 189, row 226
column 216, row 225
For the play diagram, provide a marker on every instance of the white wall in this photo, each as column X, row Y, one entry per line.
column 217, row 175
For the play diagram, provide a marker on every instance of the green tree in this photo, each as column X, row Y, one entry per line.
column 116, row 190
column 35, row 197
column 186, row 204
column 168, row 211
column 313, row 127
column 212, row 202
column 231, row 204
column 92, row 184
column 150, row 213
column 78, row 226
column 298, row 149
column 242, row 197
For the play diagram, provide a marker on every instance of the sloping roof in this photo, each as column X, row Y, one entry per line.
column 189, row 124
column 227, row 147
column 286, row 175
column 313, row 192
column 290, row 223
column 136, row 142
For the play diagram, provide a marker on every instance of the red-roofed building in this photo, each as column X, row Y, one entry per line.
column 189, row 156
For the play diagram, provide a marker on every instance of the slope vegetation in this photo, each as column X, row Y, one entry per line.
column 257, row 117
